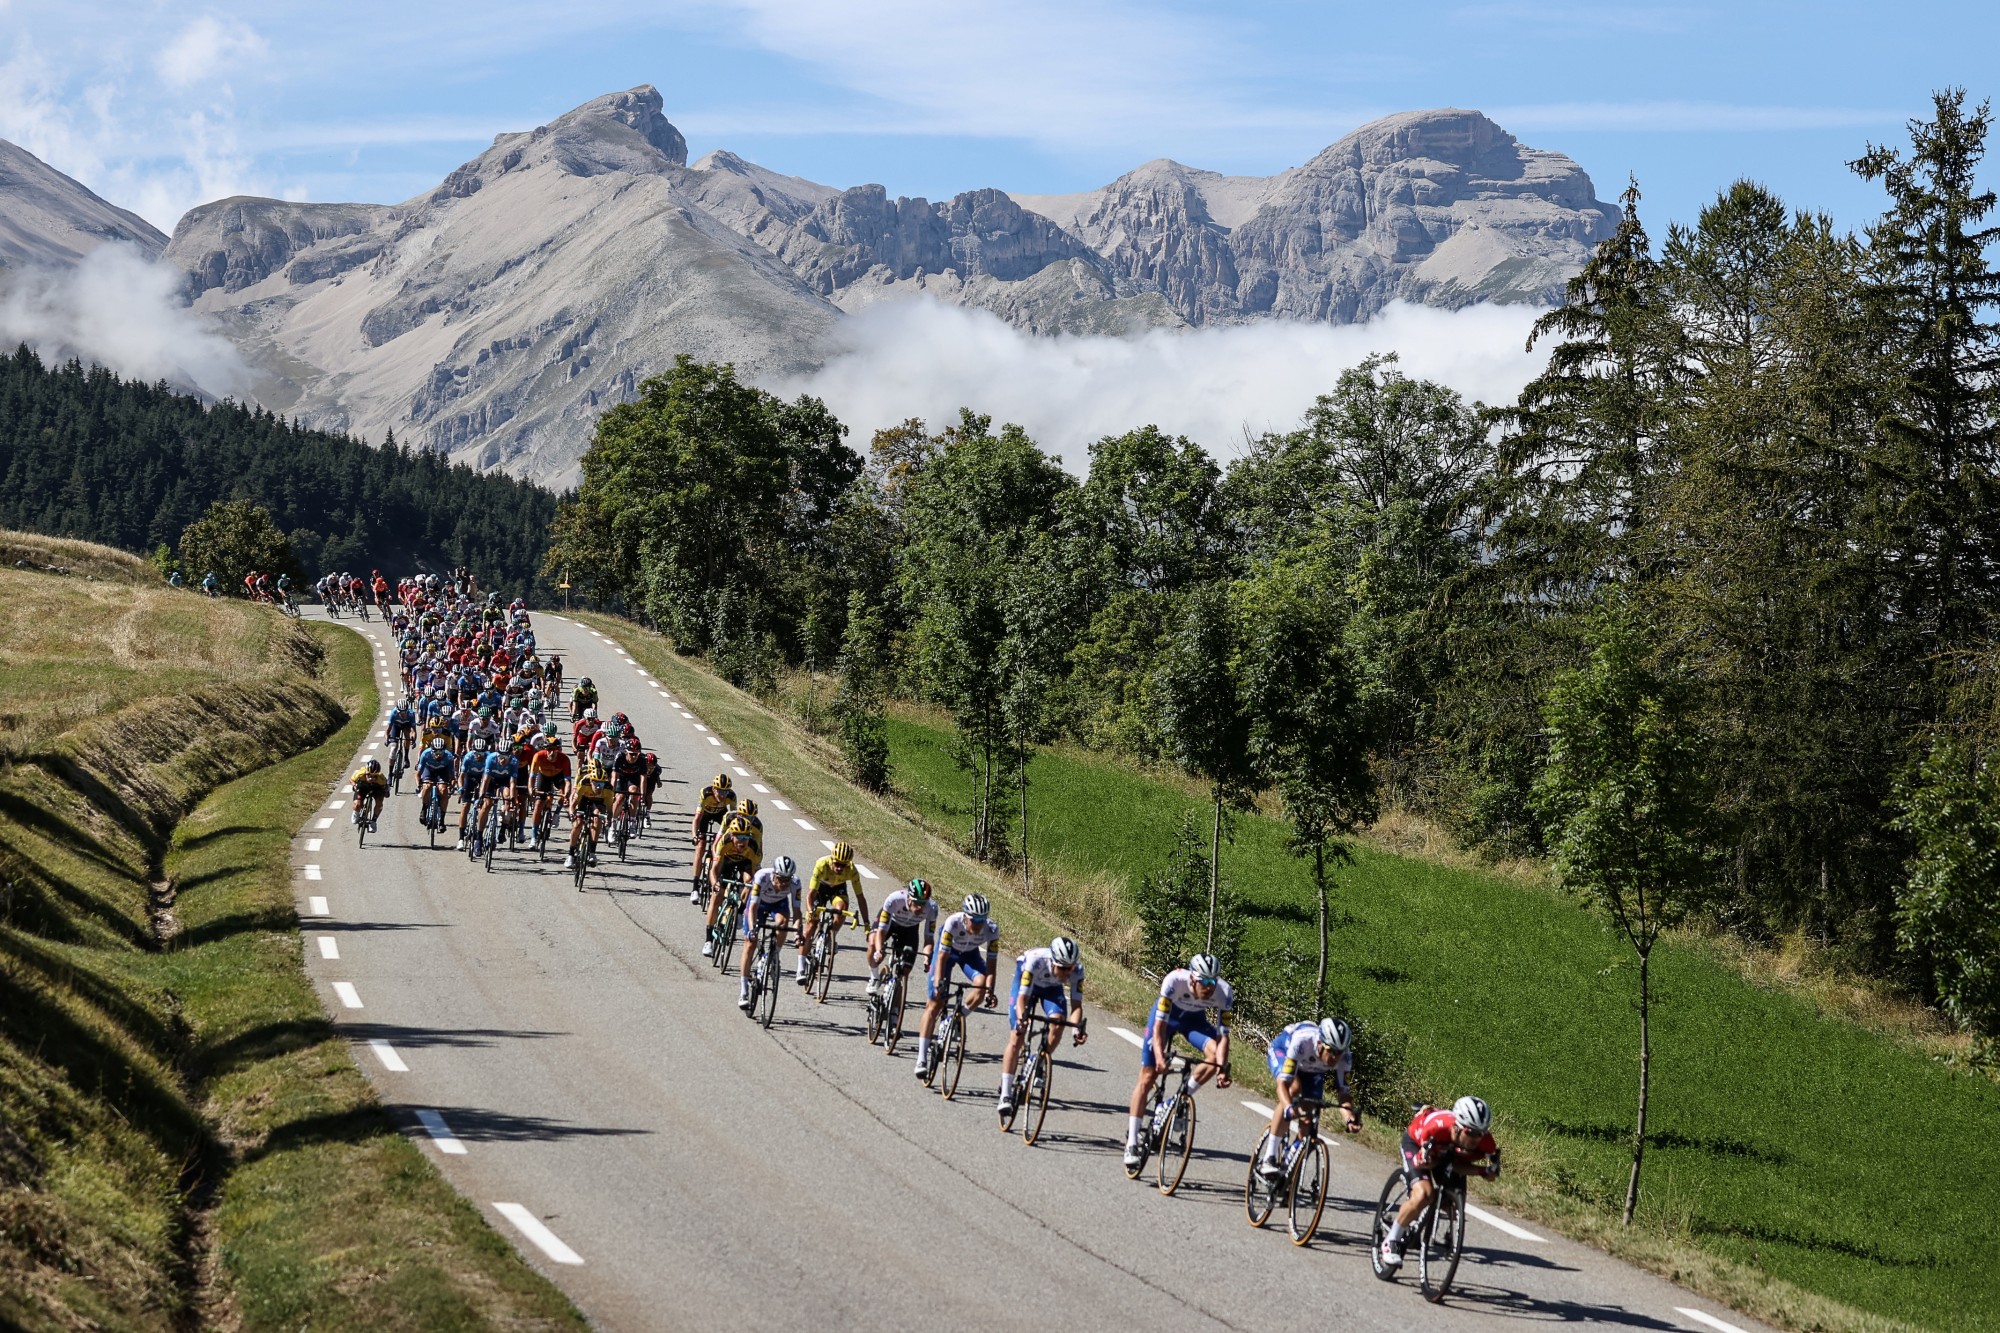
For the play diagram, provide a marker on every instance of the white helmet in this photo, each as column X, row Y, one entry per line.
column 1203, row 968
column 1063, row 951
column 1334, row 1035
column 1472, row 1114
column 785, row 867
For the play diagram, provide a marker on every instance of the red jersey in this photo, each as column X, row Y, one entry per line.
column 1431, row 1131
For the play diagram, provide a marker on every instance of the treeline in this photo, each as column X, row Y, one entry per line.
column 1766, row 445
column 86, row 454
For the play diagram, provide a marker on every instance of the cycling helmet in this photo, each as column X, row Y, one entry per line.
column 747, row 806
column 374, row 766
column 590, row 713
column 784, row 867
column 584, row 683
column 1334, row 1035
column 555, row 742
column 919, row 890
column 631, row 745
column 1063, row 951
column 485, row 714
column 618, row 718
column 1472, row 1114
column 478, row 742
column 1203, row 968
column 843, row 853
column 977, row 907
column 437, row 742
column 721, row 780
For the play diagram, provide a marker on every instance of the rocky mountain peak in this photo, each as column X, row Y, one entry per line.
column 50, row 219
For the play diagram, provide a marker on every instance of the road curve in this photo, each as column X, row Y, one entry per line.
column 577, row 1070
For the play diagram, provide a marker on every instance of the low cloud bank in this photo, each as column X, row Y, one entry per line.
column 121, row 311
column 919, row 358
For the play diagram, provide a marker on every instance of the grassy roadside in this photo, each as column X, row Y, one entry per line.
column 1499, row 972
column 183, row 1143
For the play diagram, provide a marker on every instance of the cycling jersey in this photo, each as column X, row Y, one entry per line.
column 591, row 782
column 401, row 722
column 766, row 890
column 435, row 765
column 900, row 911
column 471, row 771
column 716, row 800
column 960, row 935
column 367, row 782
column 1035, row 975
column 1427, row 1143
column 552, row 764
column 1297, row 1053
column 1180, row 1005
column 743, row 835
column 826, row 881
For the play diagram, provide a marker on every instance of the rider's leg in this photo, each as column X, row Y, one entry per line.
column 1413, row 1207
column 1153, row 1050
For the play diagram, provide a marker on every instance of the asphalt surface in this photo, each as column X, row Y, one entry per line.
column 578, row 1071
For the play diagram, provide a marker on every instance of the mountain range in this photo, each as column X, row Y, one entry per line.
column 496, row 315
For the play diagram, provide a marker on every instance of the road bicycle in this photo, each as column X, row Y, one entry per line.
column 885, row 1007
column 766, row 971
column 1031, row 1086
column 697, row 876
column 291, row 608
column 586, row 848
column 364, row 824
column 825, row 948
column 726, row 918
column 1168, row 1129
column 434, row 812
column 545, row 827
column 623, row 830
column 1438, row 1236
column 399, row 764
column 948, row 1043
column 1301, row 1180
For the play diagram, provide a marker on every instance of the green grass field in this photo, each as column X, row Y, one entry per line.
column 1837, row 1160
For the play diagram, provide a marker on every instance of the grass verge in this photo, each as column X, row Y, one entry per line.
column 183, row 1141
column 1780, row 1181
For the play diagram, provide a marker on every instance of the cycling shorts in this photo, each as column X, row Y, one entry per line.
column 624, row 786
column 1054, row 1000
column 1442, row 1168
column 363, row 791
column 733, row 867
column 972, row 962
column 468, row 787
column 760, row 912
column 589, row 805
column 1160, row 1034
column 897, row 938
column 705, row 821
column 547, row 783
column 825, row 894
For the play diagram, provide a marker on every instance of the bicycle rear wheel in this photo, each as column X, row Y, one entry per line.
column 876, row 1010
column 1395, row 1191
column 1260, row 1195
column 491, row 838
column 585, row 846
column 1040, row 1075
column 1308, row 1190
column 360, row 825
column 952, row 1064
column 1441, row 1234
column 767, row 1006
column 1176, row 1144
column 892, row 1024
column 433, row 818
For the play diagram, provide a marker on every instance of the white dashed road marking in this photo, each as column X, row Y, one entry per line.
column 866, row 873
column 313, row 844
column 387, row 1055
column 741, row 772
column 336, row 805
column 1130, row 1036
column 312, row 872
column 1260, row 1109
column 1708, row 1319
column 545, row 1240
column 780, row 804
column 713, row 741
column 1518, row 1233
column 730, row 758
column 317, row 907
column 441, row 1135
column 761, row 788
column 324, row 823
column 328, row 949
column 807, row 827
column 349, row 997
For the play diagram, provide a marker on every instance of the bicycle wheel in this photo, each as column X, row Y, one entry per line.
column 490, row 839
column 892, row 1024
column 1442, row 1239
column 621, row 833
column 1146, row 1141
column 1260, row 1195
column 952, row 1063
column 876, row 1009
column 773, row 972
column 1308, row 1189
column 360, row 826
column 825, row 950
column 433, row 818
column 1176, row 1144
column 1394, row 1192
column 585, row 846
column 1041, row 1075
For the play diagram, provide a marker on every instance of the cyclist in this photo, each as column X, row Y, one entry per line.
column 553, row 672
column 1438, row 1146
column 587, row 797
column 896, row 925
column 628, row 775
column 471, row 785
column 968, row 943
column 500, row 769
column 833, row 876
column 1046, row 977
column 585, row 697
column 587, row 730
column 774, row 897
column 519, row 777
column 1195, row 1003
column 739, row 850
column 650, row 784
column 1301, row 1057
column 548, row 768
column 710, row 808
column 369, row 788
column 402, row 727
column 211, row 584
column 435, row 768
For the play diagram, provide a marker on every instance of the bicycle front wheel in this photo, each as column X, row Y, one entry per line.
column 1442, row 1236
column 953, row 1062
column 1040, row 1075
column 876, row 1009
column 825, row 950
column 1260, row 1196
column 892, row 1026
column 1308, row 1189
column 773, row 969
column 1395, row 1192
column 1176, row 1144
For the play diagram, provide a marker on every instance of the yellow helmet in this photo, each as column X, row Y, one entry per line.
column 747, row 806
column 721, row 782
column 843, row 853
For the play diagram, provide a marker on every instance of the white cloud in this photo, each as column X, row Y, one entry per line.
column 919, row 358
column 203, row 48
column 1681, row 117
column 120, row 311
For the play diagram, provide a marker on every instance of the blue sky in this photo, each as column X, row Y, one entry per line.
column 162, row 105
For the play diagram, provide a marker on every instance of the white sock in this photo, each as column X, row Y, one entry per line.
column 1006, row 1085
column 923, row 1050
column 1132, row 1123
column 1271, row 1150
column 745, row 993
column 1395, row 1233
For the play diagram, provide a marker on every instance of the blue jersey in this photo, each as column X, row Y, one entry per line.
column 401, row 721
column 501, row 767
column 436, row 766
column 472, row 768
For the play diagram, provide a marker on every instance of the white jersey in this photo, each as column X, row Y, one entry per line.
column 1298, row 1050
column 900, row 910
column 767, row 889
column 1038, row 972
column 960, row 935
column 1178, row 1000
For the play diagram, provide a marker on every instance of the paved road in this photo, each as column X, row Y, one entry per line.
column 580, row 1073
